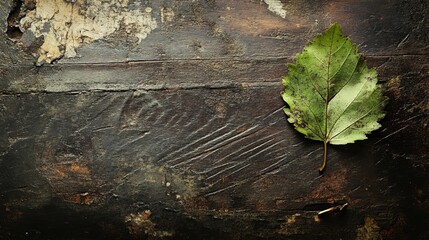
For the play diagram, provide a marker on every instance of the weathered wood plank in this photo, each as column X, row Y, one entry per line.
column 221, row 158
column 177, row 74
column 249, row 30
column 226, row 152
column 182, row 135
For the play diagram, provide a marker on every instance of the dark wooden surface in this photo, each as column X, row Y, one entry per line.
column 182, row 136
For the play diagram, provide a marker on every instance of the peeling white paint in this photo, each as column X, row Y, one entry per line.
column 276, row 6
column 66, row 26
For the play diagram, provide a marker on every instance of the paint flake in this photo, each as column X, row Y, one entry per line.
column 67, row 25
column 276, row 6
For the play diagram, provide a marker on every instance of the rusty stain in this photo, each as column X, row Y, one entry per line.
column 330, row 185
column 81, row 198
column 66, row 170
column 79, row 169
column 59, row 172
column 197, row 203
column 73, row 199
column 369, row 231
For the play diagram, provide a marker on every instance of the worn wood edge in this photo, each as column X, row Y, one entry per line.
column 170, row 75
column 222, row 27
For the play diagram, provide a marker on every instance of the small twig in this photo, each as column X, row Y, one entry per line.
column 333, row 209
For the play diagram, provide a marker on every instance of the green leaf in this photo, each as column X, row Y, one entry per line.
column 331, row 94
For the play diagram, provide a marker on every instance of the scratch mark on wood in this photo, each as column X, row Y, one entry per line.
column 211, row 150
column 266, row 149
column 193, row 143
column 297, row 144
column 168, row 153
column 99, row 129
column 391, row 134
column 182, row 120
column 268, row 168
column 258, row 143
column 234, row 139
column 223, row 189
column 414, row 117
column 232, row 173
column 172, row 119
column 260, row 147
column 317, row 149
column 235, row 164
column 213, row 168
column 404, row 40
column 275, row 168
column 284, row 166
column 232, row 153
column 134, row 140
column 124, row 106
column 274, row 113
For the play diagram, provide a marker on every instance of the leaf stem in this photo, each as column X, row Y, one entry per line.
column 325, row 152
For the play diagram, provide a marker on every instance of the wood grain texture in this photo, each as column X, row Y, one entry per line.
column 182, row 136
column 247, row 29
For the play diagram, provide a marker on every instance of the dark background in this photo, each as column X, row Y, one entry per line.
column 182, row 136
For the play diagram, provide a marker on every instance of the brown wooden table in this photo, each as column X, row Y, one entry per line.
column 170, row 126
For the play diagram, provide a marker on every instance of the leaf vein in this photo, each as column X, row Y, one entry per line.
column 338, row 49
column 317, row 90
column 342, row 64
column 357, row 120
column 348, row 80
column 315, row 118
column 345, row 109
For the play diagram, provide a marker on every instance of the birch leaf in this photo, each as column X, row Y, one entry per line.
column 331, row 94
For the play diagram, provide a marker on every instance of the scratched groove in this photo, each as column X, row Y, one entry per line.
column 185, row 129
column 217, row 150
column 227, row 142
column 236, row 147
column 176, row 130
column 205, row 149
column 213, row 150
column 208, row 146
column 195, row 143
